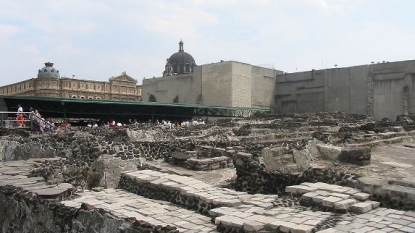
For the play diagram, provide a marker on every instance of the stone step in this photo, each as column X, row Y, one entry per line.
column 231, row 210
column 124, row 204
column 335, row 197
column 186, row 191
column 251, row 218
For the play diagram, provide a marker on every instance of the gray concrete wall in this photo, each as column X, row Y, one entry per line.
column 388, row 98
column 299, row 92
column 346, row 89
column 387, row 88
column 262, row 86
column 217, row 84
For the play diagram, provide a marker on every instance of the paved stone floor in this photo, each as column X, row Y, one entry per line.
column 125, row 204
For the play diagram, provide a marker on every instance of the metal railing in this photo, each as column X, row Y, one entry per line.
column 9, row 120
column 30, row 120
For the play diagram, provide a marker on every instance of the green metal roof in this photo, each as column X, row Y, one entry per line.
column 78, row 108
column 123, row 102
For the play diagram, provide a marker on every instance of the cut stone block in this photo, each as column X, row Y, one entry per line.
column 302, row 229
column 344, row 204
column 252, row 226
column 361, row 207
column 329, row 201
column 286, row 227
column 361, row 196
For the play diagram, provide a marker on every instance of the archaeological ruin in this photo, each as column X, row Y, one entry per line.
column 298, row 173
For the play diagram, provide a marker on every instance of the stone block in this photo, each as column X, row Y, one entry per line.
column 361, row 207
column 361, row 196
column 230, row 221
column 344, row 204
column 355, row 155
column 286, row 227
column 329, row 152
column 330, row 201
column 275, row 225
column 375, row 204
column 252, row 226
column 302, row 229
column 340, row 195
column 318, row 199
column 220, row 211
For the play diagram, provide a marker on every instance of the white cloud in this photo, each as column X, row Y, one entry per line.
column 7, row 31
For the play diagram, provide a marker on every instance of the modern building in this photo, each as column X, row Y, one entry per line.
column 225, row 83
column 381, row 90
column 49, row 83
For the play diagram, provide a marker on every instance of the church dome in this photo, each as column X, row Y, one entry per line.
column 48, row 71
column 181, row 61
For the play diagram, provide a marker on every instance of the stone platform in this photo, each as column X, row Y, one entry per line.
column 231, row 211
column 128, row 205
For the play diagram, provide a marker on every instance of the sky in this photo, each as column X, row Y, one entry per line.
column 98, row 39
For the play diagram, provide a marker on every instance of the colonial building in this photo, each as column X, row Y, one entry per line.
column 49, row 83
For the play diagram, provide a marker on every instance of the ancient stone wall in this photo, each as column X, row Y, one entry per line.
column 253, row 177
column 22, row 211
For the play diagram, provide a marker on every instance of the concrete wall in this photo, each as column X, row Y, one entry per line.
column 262, row 86
column 187, row 87
column 217, row 84
column 346, row 89
column 241, row 85
column 299, row 92
column 381, row 90
column 227, row 83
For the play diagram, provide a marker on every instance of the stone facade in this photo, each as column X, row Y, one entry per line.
column 383, row 90
column 121, row 87
column 225, row 83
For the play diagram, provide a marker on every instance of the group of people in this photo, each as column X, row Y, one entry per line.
column 45, row 126
column 34, row 116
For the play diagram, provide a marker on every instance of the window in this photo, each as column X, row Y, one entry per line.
column 90, row 97
column 82, row 97
column 74, row 96
column 98, row 98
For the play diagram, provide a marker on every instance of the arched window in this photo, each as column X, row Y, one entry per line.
column 152, row 98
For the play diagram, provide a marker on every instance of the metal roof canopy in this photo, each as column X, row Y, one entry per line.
column 108, row 109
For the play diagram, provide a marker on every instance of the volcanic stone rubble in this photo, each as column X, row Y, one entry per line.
column 298, row 173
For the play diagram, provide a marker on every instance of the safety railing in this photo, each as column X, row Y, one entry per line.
column 30, row 121
column 10, row 120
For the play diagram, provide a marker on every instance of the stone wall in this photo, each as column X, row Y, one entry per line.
column 253, row 177
column 22, row 211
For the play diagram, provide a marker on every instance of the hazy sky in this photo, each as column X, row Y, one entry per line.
column 97, row 39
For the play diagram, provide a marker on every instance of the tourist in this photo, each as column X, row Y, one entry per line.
column 20, row 118
column 37, row 117
column 42, row 125
column 112, row 124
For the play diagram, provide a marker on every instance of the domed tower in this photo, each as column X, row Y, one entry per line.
column 181, row 61
column 168, row 69
column 48, row 71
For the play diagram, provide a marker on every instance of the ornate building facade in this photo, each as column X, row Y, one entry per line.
column 49, row 84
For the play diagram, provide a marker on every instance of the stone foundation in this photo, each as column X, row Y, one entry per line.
column 23, row 212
